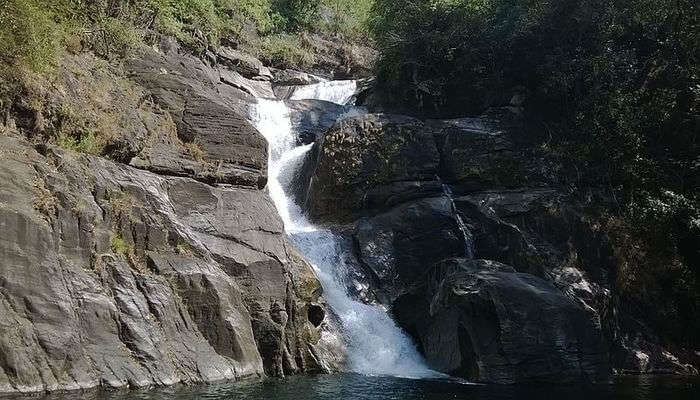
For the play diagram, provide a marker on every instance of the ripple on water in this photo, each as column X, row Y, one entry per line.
column 355, row 386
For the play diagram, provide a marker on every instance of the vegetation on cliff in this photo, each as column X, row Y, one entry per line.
column 33, row 32
column 60, row 76
column 613, row 87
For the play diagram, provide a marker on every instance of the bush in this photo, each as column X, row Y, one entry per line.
column 29, row 37
column 87, row 143
column 119, row 246
column 298, row 14
column 347, row 19
column 115, row 38
column 285, row 50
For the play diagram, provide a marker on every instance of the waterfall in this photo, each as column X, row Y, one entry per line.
column 466, row 234
column 340, row 92
column 376, row 345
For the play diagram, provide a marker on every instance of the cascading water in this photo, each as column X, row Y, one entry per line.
column 376, row 345
column 466, row 234
column 340, row 92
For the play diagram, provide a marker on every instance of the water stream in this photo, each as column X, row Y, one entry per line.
column 466, row 233
column 376, row 345
column 340, row 92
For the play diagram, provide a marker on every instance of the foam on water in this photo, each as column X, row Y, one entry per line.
column 376, row 345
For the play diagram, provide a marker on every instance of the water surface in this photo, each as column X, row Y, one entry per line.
column 355, row 386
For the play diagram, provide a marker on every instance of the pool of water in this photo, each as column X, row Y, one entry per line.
column 353, row 386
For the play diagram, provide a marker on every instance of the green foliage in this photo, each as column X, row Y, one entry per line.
column 116, row 38
column 345, row 18
column 285, row 50
column 28, row 35
column 258, row 14
column 613, row 87
column 119, row 246
column 33, row 32
column 298, row 14
column 87, row 143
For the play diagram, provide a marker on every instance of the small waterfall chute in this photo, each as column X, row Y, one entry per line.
column 466, row 234
column 339, row 92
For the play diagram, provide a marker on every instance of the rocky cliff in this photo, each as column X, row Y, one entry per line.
column 498, row 271
column 163, row 261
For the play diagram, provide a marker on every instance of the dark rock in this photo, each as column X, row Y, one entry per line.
column 480, row 153
column 489, row 216
column 483, row 321
column 558, row 237
column 398, row 246
column 372, row 162
column 312, row 118
column 113, row 276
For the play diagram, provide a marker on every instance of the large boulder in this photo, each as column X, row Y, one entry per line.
column 483, row 321
column 244, row 64
column 114, row 276
column 312, row 118
column 561, row 237
column 371, row 163
column 397, row 247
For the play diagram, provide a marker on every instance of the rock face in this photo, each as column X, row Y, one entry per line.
column 244, row 64
column 215, row 143
column 478, row 153
column 289, row 77
column 549, row 234
column 170, row 266
column 398, row 246
column 311, row 119
column 483, row 321
column 530, row 296
column 371, row 163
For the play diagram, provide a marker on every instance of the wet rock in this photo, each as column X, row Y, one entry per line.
column 372, row 162
column 483, row 321
column 312, row 118
column 482, row 153
column 398, row 246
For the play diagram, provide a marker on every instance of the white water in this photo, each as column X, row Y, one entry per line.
column 376, row 345
column 339, row 92
column 466, row 233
